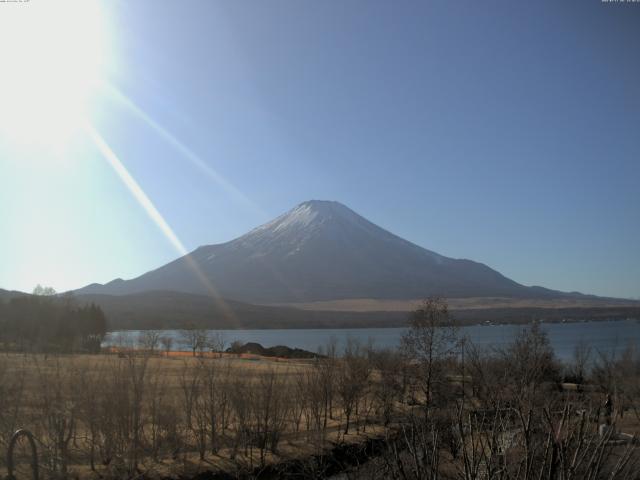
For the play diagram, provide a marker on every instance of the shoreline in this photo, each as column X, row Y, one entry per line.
column 386, row 326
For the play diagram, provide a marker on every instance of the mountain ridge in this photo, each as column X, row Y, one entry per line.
column 322, row 250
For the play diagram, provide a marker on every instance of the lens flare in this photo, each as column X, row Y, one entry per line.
column 184, row 150
column 145, row 202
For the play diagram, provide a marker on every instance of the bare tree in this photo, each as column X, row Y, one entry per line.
column 388, row 389
column 136, row 378
column 353, row 377
column 311, row 400
column 149, row 340
column 167, row 343
column 240, row 401
column 156, row 403
column 530, row 361
column 196, row 339
column 414, row 452
column 44, row 291
column 326, row 365
column 490, row 378
column 580, row 362
column 270, row 410
column 189, row 383
column 429, row 340
column 217, row 343
column 59, row 412
column 619, row 374
column 199, row 423
column 215, row 378
column 89, row 391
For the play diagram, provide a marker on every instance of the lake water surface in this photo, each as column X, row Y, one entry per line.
column 605, row 336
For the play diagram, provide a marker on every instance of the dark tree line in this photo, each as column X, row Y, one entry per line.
column 50, row 323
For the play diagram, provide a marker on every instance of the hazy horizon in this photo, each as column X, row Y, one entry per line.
column 504, row 133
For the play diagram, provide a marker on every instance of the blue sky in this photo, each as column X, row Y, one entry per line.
column 505, row 132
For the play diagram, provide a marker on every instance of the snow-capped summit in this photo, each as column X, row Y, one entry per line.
column 328, row 220
column 321, row 250
column 309, row 213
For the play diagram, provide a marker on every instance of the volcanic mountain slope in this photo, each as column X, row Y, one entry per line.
column 322, row 250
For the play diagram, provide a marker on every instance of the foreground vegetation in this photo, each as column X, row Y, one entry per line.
column 437, row 407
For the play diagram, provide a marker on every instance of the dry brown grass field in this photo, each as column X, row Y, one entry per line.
column 136, row 413
column 149, row 414
column 376, row 305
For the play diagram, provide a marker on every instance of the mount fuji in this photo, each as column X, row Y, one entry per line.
column 319, row 251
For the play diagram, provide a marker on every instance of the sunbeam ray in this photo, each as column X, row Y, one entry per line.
column 184, row 150
column 145, row 202
column 135, row 189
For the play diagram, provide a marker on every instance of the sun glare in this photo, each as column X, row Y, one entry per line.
column 53, row 56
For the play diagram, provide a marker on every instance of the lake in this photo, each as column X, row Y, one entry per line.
column 604, row 336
